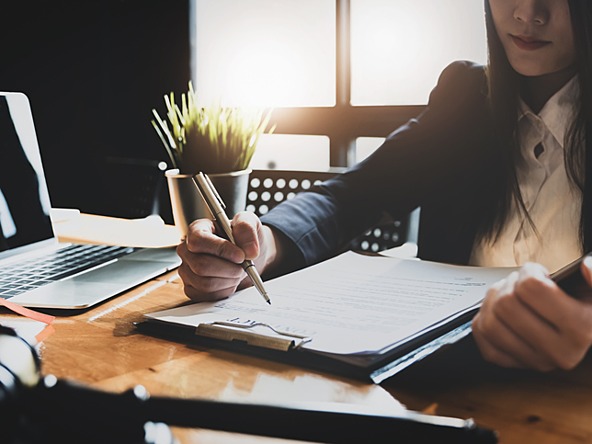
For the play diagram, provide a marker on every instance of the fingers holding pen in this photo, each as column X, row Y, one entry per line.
column 248, row 232
column 210, row 267
column 204, row 238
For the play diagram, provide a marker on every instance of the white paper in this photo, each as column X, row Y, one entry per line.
column 351, row 304
column 28, row 329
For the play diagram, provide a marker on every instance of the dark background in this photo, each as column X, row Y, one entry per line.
column 93, row 71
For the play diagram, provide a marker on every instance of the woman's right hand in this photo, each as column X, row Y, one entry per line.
column 210, row 267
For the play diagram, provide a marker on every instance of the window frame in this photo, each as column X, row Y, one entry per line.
column 342, row 123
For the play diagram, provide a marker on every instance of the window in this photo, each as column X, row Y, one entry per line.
column 340, row 74
column 398, row 48
column 265, row 52
column 292, row 152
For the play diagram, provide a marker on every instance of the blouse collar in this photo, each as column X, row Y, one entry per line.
column 558, row 113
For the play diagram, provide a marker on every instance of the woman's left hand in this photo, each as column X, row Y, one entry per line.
column 527, row 321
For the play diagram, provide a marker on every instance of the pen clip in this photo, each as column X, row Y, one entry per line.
column 214, row 203
column 209, row 194
column 214, row 191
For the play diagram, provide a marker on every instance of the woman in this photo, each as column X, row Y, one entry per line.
column 497, row 162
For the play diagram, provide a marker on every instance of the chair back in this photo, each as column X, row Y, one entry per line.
column 268, row 188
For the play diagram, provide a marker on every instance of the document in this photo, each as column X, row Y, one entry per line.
column 354, row 308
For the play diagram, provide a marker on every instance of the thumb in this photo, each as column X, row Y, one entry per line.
column 246, row 229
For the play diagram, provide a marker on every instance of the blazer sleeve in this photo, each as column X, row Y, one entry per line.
column 417, row 162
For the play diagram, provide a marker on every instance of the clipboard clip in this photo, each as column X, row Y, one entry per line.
column 258, row 334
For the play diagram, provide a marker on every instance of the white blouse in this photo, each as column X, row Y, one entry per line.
column 553, row 202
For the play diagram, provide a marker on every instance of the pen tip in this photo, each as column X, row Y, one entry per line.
column 269, row 302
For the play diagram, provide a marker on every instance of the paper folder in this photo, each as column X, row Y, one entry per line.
column 361, row 316
column 374, row 369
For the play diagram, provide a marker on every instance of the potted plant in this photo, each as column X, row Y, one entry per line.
column 216, row 140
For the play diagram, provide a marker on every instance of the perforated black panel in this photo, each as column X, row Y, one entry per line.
column 268, row 188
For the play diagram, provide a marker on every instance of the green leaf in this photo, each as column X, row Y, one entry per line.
column 210, row 138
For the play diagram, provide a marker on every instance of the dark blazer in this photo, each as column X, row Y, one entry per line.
column 442, row 161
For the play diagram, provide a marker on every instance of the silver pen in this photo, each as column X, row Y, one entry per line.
column 216, row 206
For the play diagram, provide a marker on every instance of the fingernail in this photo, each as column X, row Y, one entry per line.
column 238, row 256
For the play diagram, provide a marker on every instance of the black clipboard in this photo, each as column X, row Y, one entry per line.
column 371, row 370
column 570, row 278
column 451, row 296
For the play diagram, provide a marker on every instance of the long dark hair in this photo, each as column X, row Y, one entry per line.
column 503, row 83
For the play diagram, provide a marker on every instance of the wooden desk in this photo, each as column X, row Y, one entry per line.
column 523, row 406
column 100, row 348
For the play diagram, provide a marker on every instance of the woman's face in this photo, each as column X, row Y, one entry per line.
column 536, row 34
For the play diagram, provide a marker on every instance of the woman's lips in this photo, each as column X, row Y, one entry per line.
column 528, row 43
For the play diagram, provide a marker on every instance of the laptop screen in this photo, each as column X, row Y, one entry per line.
column 24, row 198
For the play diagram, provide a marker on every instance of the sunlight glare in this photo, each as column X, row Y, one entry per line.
column 281, row 53
column 265, row 52
column 400, row 47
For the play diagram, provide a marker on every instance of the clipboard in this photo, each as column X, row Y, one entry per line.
column 286, row 351
column 243, row 324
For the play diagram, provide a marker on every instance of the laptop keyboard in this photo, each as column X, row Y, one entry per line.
column 35, row 272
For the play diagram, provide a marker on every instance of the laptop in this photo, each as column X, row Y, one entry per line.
column 36, row 270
